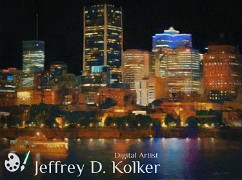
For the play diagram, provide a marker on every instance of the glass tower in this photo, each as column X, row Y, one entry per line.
column 181, row 68
column 179, row 63
column 33, row 60
column 103, row 36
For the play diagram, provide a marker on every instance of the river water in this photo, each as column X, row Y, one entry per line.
column 175, row 159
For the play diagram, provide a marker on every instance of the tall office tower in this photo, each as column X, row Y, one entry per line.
column 221, row 72
column 135, row 66
column 33, row 60
column 103, row 38
column 172, row 39
column 181, row 68
column 179, row 63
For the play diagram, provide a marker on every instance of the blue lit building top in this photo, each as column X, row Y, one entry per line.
column 172, row 38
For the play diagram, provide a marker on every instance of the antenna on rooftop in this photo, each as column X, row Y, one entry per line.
column 36, row 10
column 37, row 26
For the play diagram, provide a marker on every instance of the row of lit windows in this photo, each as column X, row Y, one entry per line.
column 212, row 74
column 218, row 83
column 210, row 64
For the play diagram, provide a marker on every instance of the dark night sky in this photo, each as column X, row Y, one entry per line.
column 61, row 25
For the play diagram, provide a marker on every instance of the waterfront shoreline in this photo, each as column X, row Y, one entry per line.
column 110, row 133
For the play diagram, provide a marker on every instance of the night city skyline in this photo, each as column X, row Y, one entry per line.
column 120, row 89
column 61, row 26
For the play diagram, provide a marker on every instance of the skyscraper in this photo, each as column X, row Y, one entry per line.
column 181, row 68
column 179, row 63
column 103, row 38
column 33, row 60
column 221, row 72
column 135, row 66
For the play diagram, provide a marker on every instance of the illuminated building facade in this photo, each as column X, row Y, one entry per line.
column 154, row 64
column 99, row 76
column 91, row 83
column 46, row 96
column 179, row 64
column 135, row 66
column 8, row 99
column 221, row 72
column 57, row 69
column 10, row 79
column 33, row 60
column 171, row 38
column 103, row 36
column 24, row 96
column 117, row 94
column 149, row 89
column 181, row 68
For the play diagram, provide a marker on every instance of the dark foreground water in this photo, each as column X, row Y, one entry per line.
column 178, row 159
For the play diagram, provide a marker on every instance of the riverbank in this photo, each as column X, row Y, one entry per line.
column 109, row 133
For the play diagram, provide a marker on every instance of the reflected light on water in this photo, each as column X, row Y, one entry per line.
column 212, row 140
column 201, row 158
column 36, row 157
column 102, row 141
column 163, row 142
column 151, row 140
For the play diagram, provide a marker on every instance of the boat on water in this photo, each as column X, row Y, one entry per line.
column 39, row 144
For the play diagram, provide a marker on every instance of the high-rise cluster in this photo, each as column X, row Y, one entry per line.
column 172, row 71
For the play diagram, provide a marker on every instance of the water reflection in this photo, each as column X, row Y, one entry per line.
column 179, row 158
